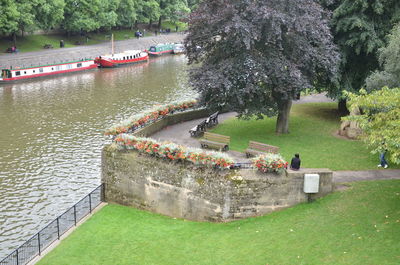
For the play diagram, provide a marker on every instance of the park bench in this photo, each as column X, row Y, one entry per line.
column 212, row 120
column 48, row 46
column 256, row 148
column 213, row 140
column 198, row 129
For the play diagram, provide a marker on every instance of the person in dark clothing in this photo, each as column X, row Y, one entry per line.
column 295, row 163
column 383, row 163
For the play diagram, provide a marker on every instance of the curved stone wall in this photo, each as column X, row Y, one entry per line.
column 185, row 191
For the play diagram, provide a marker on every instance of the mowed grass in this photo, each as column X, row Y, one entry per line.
column 360, row 225
column 312, row 128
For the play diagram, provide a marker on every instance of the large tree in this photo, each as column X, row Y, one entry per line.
column 389, row 57
column 9, row 17
column 127, row 13
column 360, row 28
column 148, row 11
column 254, row 57
column 81, row 15
column 172, row 9
column 48, row 13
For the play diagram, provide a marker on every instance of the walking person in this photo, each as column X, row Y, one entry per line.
column 383, row 162
column 295, row 163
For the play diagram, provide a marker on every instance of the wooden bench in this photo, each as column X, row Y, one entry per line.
column 213, row 140
column 256, row 148
column 198, row 129
column 212, row 120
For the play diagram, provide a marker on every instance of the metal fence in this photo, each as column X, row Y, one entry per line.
column 55, row 229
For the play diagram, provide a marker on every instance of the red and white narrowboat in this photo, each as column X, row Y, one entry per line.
column 126, row 57
column 18, row 73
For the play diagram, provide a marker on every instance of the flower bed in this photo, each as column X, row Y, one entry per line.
column 147, row 117
column 270, row 163
column 173, row 151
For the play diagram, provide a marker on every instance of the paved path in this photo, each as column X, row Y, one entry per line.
column 179, row 134
column 85, row 51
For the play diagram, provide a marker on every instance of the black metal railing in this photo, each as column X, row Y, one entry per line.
column 55, row 229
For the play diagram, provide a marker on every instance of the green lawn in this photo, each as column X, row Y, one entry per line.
column 311, row 135
column 358, row 226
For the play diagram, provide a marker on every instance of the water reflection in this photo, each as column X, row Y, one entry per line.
column 51, row 136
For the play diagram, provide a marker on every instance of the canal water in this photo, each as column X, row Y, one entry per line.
column 51, row 136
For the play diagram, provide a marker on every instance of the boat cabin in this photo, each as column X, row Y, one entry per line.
column 162, row 47
column 5, row 73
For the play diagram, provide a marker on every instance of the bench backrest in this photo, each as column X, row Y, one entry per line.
column 263, row 147
column 217, row 137
column 214, row 114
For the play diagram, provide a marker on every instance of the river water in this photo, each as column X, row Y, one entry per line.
column 52, row 134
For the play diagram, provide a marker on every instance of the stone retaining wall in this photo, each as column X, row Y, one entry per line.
column 171, row 120
column 186, row 191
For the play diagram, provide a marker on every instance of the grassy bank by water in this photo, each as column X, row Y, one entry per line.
column 358, row 226
column 36, row 42
column 312, row 129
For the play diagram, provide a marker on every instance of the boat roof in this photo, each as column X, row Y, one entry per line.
column 124, row 53
column 17, row 68
column 162, row 44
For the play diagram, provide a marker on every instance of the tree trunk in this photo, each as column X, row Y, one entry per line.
column 14, row 37
column 342, row 107
column 282, row 122
column 150, row 22
column 159, row 22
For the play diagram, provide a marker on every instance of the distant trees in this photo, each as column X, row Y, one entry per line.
column 254, row 57
column 19, row 16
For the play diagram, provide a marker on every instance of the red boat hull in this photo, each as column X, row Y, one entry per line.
column 107, row 63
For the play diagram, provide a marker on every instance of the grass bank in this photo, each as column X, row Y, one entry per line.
column 312, row 129
column 31, row 43
column 358, row 226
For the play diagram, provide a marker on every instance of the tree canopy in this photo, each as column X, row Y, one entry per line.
column 360, row 28
column 380, row 121
column 254, row 57
column 86, row 15
column 389, row 58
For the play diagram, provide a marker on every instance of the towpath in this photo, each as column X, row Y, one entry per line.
column 48, row 56
column 179, row 133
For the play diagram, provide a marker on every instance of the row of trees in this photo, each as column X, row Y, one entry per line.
column 86, row 15
column 255, row 56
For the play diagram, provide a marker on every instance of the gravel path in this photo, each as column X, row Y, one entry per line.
column 79, row 52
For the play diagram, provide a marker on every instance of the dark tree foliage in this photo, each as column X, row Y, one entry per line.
column 360, row 29
column 255, row 56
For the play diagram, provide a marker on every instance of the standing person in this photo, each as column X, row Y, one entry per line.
column 383, row 162
column 295, row 163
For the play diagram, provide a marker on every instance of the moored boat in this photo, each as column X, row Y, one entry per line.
column 126, row 57
column 179, row 48
column 18, row 73
column 161, row 49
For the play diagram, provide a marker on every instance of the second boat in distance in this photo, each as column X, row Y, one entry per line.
column 126, row 57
